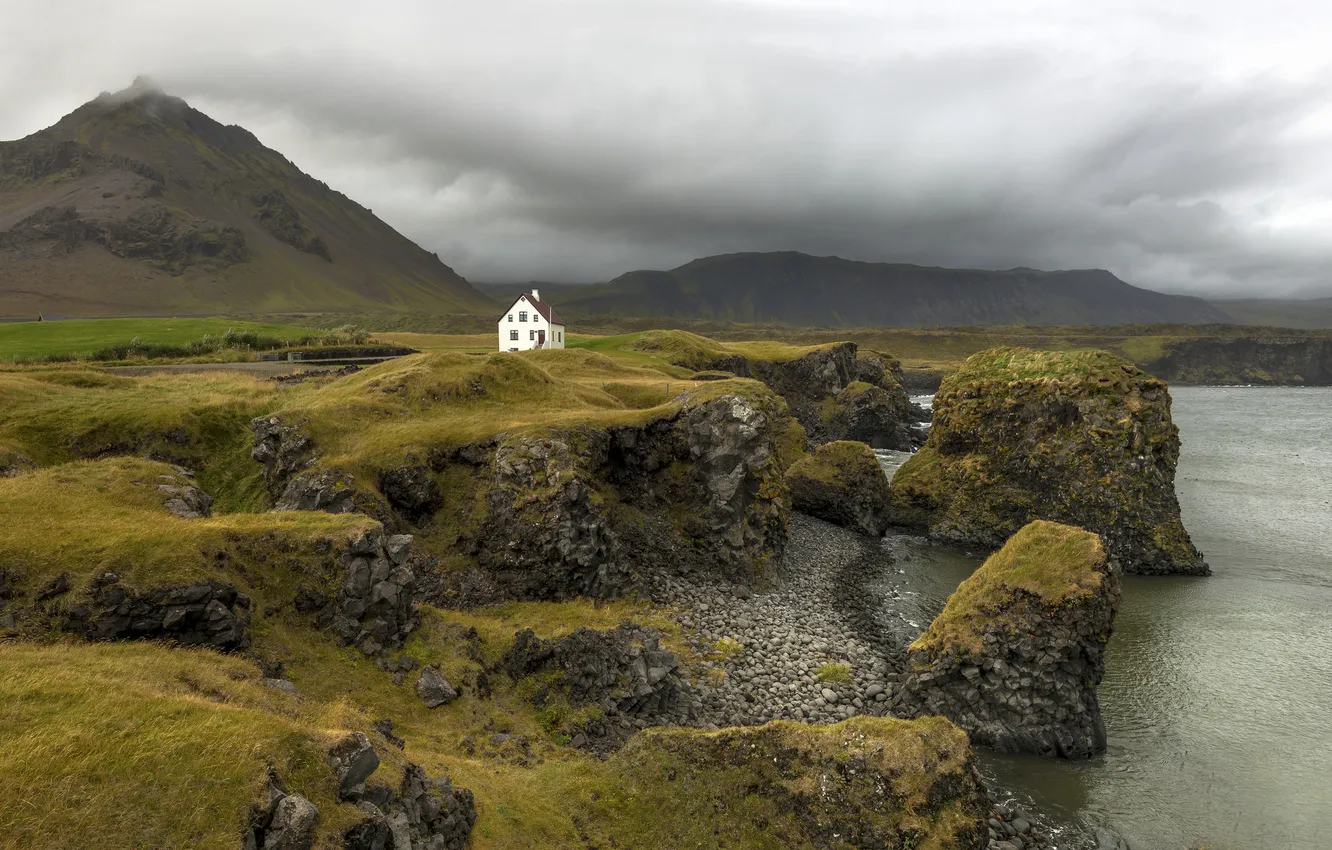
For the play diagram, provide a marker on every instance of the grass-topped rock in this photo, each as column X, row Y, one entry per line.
column 1081, row 437
column 863, row 783
column 842, row 483
column 1016, row 655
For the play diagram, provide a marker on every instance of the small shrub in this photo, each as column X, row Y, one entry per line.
column 727, row 648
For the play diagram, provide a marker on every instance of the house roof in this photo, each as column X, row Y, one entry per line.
column 547, row 312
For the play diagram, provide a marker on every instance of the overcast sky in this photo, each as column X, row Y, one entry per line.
column 1186, row 146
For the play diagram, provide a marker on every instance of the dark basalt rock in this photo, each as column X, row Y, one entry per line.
column 1083, row 438
column 1271, row 360
column 280, row 219
column 207, row 613
column 185, row 499
column 842, row 483
column 1015, row 659
column 838, row 392
column 422, row 813
column 287, row 822
column 624, row 670
column 434, row 689
column 410, row 490
column 353, row 760
column 373, row 606
column 293, row 481
column 589, row 511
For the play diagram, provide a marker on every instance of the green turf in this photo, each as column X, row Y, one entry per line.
column 30, row 340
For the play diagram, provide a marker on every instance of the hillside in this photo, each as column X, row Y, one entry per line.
column 138, row 204
column 1310, row 313
column 793, row 288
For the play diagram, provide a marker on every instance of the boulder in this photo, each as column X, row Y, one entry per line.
column 842, row 483
column 292, row 825
column 434, row 689
column 1080, row 437
column 353, row 759
column 422, row 813
column 1017, row 653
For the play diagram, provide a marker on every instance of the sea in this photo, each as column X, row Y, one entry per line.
column 1217, row 695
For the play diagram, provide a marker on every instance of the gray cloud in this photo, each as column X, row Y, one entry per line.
column 1185, row 149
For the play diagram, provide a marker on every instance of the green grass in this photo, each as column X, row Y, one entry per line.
column 1047, row 561
column 834, row 672
column 76, row 337
column 1088, row 366
column 835, row 463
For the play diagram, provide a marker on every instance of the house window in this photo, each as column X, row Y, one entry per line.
column 513, row 334
column 531, row 334
column 511, row 317
column 522, row 315
column 559, row 336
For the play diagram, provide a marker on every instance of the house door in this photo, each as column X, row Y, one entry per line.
column 541, row 339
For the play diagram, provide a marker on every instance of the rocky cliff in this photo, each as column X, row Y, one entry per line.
column 842, row 483
column 1016, row 655
column 1083, row 438
column 1247, row 360
column 836, row 392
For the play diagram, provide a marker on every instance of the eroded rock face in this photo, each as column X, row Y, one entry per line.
column 838, row 392
column 421, row 813
column 184, row 498
column 1083, row 438
column 864, row 783
column 842, row 483
column 13, row 464
column 1247, row 360
column 1016, row 655
column 586, row 511
column 292, row 478
column 372, row 608
column 207, row 613
column 624, row 670
column 279, row 218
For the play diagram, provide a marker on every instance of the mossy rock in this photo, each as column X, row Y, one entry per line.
column 1081, row 437
column 1016, row 655
column 842, row 483
column 863, row 783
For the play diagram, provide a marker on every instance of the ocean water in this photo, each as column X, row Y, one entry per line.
column 1218, row 691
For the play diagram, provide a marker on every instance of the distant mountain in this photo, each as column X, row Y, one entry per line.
column 136, row 203
column 797, row 289
column 1281, row 313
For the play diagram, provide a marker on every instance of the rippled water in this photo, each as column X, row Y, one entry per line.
column 1218, row 691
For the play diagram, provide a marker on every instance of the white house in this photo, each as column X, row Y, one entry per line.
column 530, row 323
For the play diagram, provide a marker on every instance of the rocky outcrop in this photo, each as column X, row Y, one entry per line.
column 411, row 491
column 1083, row 438
column 842, row 483
column 864, row 783
column 14, row 464
column 293, row 480
column 1246, row 360
column 623, row 670
column 420, row 814
column 206, row 613
column 837, row 392
column 372, row 608
column 1016, row 655
column 589, row 511
column 280, row 219
column 184, row 498
column 151, row 233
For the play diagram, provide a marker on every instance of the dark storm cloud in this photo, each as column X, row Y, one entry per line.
column 1186, row 150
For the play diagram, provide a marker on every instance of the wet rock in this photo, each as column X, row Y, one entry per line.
column 1083, row 438
column 1017, row 653
column 842, row 483
column 434, row 689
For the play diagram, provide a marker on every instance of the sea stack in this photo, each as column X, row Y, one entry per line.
column 842, row 482
column 1016, row 655
column 1080, row 437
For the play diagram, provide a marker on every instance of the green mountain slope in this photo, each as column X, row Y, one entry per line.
column 793, row 288
column 136, row 203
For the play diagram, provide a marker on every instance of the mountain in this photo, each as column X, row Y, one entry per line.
column 797, row 289
column 138, row 204
column 1276, row 312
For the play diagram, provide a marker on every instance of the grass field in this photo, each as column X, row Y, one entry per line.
column 31, row 340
